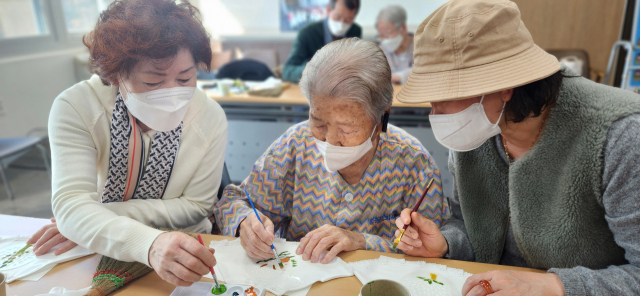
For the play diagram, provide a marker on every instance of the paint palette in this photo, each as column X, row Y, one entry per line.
column 205, row 288
column 16, row 255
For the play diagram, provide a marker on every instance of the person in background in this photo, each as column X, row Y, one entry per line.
column 137, row 147
column 546, row 163
column 396, row 41
column 339, row 24
column 337, row 181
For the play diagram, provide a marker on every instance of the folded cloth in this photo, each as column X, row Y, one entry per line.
column 419, row 277
column 18, row 261
column 62, row 291
column 237, row 267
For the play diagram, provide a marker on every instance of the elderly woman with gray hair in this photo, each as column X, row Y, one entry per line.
column 396, row 41
column 337, row 181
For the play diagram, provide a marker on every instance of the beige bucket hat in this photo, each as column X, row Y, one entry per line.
column 469, row 48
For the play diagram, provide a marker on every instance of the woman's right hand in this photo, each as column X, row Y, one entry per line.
column 48, row 237
column 422, row 237
column 256, row 238
column 179, row 259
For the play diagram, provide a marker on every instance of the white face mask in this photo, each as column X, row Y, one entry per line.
column 391, row 44
column 337, row 28
column 465, row 130
column 161, row 109
column 338, row 157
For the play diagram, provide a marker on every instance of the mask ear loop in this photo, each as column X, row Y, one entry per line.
column 123, row 85
column 501, row 111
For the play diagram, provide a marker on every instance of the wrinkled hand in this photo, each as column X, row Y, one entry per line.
column 256, row 238
column 179, row 259
column 331, row 238
column 48, row 237
column 422, row 238
column 510, row 282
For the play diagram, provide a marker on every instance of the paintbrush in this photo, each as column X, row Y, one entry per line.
column 213, row 273
column 415, row 208
column 273, row 248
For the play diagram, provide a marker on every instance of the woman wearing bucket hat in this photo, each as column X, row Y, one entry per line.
column 546, row 163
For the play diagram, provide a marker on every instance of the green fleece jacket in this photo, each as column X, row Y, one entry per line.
column 309, row 40
column 553, row 194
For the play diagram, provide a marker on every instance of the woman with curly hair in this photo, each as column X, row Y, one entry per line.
column 137, row 147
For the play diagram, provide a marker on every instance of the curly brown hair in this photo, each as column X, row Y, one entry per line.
column 131, row 30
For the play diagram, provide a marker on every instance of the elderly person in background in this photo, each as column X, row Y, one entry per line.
column 137, row 147
column 337, row 181
column 396, row 41
column 546, row 163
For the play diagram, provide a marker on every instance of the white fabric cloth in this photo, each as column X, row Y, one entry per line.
column 62, row 291
column 79, row 132
column 413, row 275
column 28, row 264
column 237, row 267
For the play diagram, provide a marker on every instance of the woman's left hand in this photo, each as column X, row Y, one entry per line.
column 48, row 237
column 509, row 282
column 332, row 238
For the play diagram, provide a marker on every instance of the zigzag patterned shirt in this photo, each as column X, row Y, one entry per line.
column 289, row 185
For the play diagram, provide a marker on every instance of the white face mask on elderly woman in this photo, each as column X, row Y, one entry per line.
column 465, row 130
column 160, row 109
column 338, row 157
column 391, row 44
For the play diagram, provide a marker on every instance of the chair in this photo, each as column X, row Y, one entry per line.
column 574, row 56
column 12, row 148
column 245, row 69
column 267, row 56
column 218, row 59
column 226, row 180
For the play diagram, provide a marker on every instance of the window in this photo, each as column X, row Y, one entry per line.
column 22, row 18
column 295, row 14
column 81, row 15
column 34, row 26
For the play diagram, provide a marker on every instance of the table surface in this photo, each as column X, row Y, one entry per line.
column 293, row 96
column 77, row 274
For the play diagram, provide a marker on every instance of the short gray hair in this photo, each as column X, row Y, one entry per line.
column 395, row 14
column 350, row 69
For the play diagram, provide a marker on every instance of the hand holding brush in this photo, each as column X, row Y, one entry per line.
column 253, row 233
column 421, row 238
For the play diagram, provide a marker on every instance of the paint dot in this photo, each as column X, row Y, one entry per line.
column 219, row 290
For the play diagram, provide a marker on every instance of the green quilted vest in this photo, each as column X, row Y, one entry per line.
column 553, row 194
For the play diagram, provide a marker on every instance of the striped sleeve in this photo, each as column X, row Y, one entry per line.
column 265, row 184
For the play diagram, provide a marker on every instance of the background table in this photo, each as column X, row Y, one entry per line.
column 77, row 274
column 292, row 106
column 293, row 96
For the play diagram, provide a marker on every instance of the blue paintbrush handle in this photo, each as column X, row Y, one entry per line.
column 255, row 211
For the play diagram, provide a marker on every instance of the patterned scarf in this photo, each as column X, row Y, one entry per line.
column 125, row 181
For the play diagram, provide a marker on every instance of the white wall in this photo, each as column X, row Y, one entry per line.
column 261, row 19
column 28, row 86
